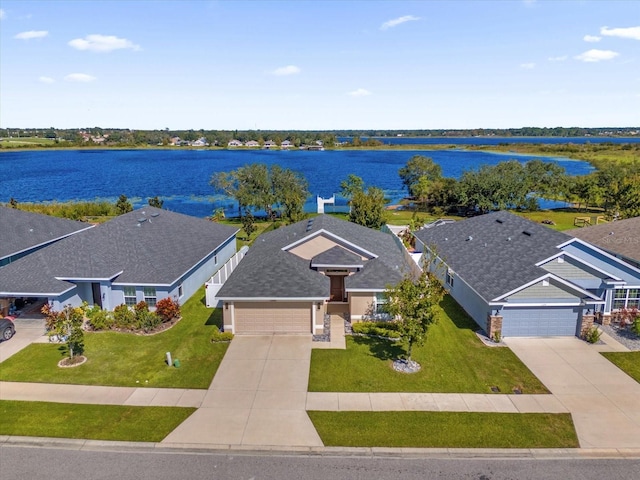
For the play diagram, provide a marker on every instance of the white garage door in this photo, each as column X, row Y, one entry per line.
column 272, row 317
column 539, row 322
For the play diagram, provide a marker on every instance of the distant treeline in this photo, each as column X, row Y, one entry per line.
column 126, row 137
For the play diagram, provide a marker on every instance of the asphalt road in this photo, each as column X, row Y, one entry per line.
column 17, row 463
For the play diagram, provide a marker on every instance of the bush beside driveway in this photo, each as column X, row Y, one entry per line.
column 453, row 360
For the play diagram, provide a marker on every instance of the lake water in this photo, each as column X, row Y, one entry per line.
column 181, row 177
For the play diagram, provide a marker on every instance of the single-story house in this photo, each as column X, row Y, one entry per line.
column 235, row 143
column 25, row 232
column 147, row 254
column 291, row 277
column 521, row 278
column 621, row 238
column 252, row 144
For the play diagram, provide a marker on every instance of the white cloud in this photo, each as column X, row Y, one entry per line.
column 2, row 14
column 288, row 70
column 591, row 38
column 31, row 34
column 79, row 77
column 102, row 43
column 528, row 66
column 629, row 32
column 46, row 79
column 398, row 21
column 360, row 92
column 596, row 55
column 561, row 58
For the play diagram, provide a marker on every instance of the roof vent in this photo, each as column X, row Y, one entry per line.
column 527, row 233
column 508, row 239
column 611, row 233
column 142, row 219
column 309, row 224
column 155, row 214
column 469, row 238
column 499, row 220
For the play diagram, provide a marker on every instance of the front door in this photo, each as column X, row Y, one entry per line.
column 97, row 298
column 337, row 288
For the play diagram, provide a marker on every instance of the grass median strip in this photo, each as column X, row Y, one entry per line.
column 453, row 360
column 129, row 360
column 628, row 362
column 445, row 429
column 93, row 422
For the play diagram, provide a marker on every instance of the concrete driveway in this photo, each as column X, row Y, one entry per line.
column 257, row 397
column 604, row 401
column 27, row 332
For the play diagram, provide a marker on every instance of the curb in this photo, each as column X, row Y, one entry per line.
column 377, row 452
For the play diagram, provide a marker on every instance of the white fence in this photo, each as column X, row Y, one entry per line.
column 214, row 284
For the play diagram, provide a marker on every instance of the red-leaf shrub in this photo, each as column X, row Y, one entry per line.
column 168, row 309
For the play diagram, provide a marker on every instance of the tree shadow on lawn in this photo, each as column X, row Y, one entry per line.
column 215, row 318
column 457, row 315
column 381, row 348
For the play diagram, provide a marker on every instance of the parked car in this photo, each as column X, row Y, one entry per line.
column 7, row 329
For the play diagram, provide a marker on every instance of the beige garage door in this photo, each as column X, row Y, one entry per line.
column 272, row 317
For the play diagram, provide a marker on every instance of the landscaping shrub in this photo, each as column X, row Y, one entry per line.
column 123, row 317
column 219, row 336
column 99, row 319
column 168, row 309
column 146, row 320
column 635, row 326
column 592, row 335
column 381, row 329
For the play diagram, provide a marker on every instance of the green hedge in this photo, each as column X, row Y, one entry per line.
column 380, row 329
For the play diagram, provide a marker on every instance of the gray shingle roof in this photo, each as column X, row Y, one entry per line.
column 157, row 250
column 621, row 237
column 337, row 256
column 492, row 253
column 25, row 230
column 269, row 272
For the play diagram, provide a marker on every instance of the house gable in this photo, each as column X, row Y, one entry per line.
column 547, row 290
column 321, row 243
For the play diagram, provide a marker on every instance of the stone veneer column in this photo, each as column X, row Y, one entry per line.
column 586, row 324
column 494, row 325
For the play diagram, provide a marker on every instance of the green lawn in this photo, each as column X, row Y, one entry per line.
column 95, row 422
column 123, row 359
column 453, row 360
column 445, row 429
column 628, row 362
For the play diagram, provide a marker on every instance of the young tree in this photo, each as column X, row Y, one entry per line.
column 248, row 224
column 123, row 205
column 290, row 190
column 413, row 302
column 367, row 208
column 155, row 202
column 67, row 326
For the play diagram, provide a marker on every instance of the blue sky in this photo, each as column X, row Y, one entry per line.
column 319, row 64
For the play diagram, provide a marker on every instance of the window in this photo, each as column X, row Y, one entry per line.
column 449, row 278
column 150, row 296
column 381, row 303
column 130, row 296
column 180, row 291
column 626, row 298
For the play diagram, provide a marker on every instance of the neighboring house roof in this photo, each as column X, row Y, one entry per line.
column 270, row 271
column 494, row 253
column 147, row 246
column 621, row 237
column 22, row 231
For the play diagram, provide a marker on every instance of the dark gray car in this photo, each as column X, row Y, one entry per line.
column 7, row 329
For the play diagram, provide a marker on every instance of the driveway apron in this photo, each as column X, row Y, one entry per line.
column 257, row 397
column 604, row 401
